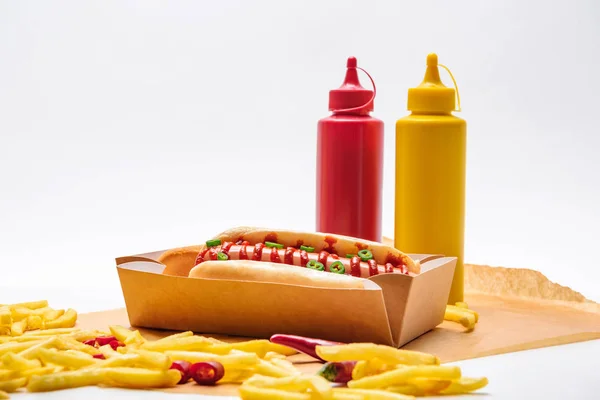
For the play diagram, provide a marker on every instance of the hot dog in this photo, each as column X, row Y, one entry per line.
column 322, row 252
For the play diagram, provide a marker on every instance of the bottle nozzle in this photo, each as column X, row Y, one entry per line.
column 351, row 62
column 432, row 74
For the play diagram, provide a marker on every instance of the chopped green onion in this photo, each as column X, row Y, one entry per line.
column 222, row 256
column 350, row 255
column 365, row 255
column 213, row 243
column 312, row 264
column 307, row 248
column 273, row 244
column 337, row 267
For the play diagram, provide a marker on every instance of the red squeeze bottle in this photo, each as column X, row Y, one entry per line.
column 350, row 162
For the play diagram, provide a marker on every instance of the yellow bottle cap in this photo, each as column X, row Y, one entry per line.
column 432, row 95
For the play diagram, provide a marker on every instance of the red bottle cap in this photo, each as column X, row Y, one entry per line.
column 351, row 96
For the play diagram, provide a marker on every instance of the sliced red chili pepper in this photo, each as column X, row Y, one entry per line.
column 355, row 266
column 207, row 372
column 115, row 344
column 338, row 372
column 183, row 367
column 302, row 344
column 288, row 257
column 90, row 342
column 99, row 356
column 373, row 270
column 258, row 249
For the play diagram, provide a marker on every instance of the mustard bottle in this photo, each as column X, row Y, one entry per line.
column 430, row 174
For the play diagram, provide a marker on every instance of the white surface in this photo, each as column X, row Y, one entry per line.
column 128, row 126
column 560, row 372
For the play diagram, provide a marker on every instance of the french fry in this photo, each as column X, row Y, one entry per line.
column 370, row 367
column 5, row 316
column 32, row 351
column 461, row 304
column 6, row 374
column 460, row 315
column 262, row 347
column 120, row 332
column 191, row 343
column 421, row 387
column 319, row 387
column 372, row 394
column 16, row 347
column 402, row 375
column 13, row 385
column 67, row 320
column 175, row 336
column 69, row 359
column 140, row 378
column 18, row 328
column 16, row 362
column 464, row 310
column 82, row 336
column 34, row 322
column 237, row 375
column 284, row 364
column 65, row 380
column 271, row 355
column 52, row 332
column 38, row 371
column 152, row 359
column 248, row 392
column 135, row 338
column 51, row 315
column 465, row 385
column 266, row 368
column 227, row 360
column 33, row 305
column 18, row 339
column 68, row 343
column 367, row 351
column 4, row 395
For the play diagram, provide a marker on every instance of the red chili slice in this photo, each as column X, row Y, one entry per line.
column 183, row 367
column 243, row 254
column 275, row 256
column 90, row 342
column 115, row 344
column 389, row 268
column 288, row 257
column 373, row 270
column 303, row 258
column 258, row 249
column 99, row 356
column 207, row 372
column 355, row 266
column 103, row 340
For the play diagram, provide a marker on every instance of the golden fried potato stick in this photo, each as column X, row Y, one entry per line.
column 68, row 343
column 319, row 387
column 191, row 343
column 175, row 336
column 34, row 322
column 373, row 394
column 267, row 368
column 16, row 362
column 262, row 347
column 17, row 347
column 18, row 328
column 19, row 339
column 227, row 360
column 72, row 360
column 66, row 380
column 460, row 315
column 402, row 375
column 38, row 371
column 367, row 351
column 464, row 310
column 53, row 331
column 248, row 392
column 421, row 387
column 29, row 304
column 140, row 378
column 13, row 385
column 152, row 359
column 32, row 352
column 5, row 316
column 4, row 395
column 67, row 320
column 6, row 374
column 465, row 385
column 373, row 366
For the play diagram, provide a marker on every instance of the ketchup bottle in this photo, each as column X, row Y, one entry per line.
column 350, row 162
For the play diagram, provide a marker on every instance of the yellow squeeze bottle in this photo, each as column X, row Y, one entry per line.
column 430, row 174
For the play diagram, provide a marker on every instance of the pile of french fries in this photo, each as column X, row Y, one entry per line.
column 42, row 350
column 381, row 373
column 461, row 313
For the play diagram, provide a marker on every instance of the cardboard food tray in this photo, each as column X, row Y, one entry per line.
column 393, row 309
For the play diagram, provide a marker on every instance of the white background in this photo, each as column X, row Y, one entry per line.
column 129, row 126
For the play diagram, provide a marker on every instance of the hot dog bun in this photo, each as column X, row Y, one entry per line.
column 179, row 261
column 337, row 244
column 260, row 271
